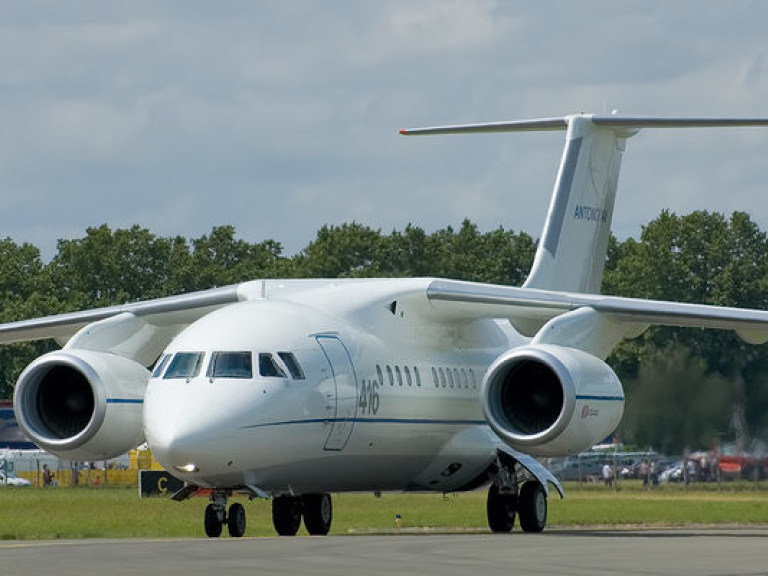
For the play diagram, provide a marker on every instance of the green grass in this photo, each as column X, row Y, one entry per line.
column 117, row 512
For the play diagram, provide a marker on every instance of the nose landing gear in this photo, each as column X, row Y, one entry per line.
column 216, row 516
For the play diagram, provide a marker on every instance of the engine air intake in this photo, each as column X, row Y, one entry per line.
column 549, row 400
column 533, row 404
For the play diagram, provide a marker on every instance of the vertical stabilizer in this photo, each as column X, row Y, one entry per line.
column 572, row 250
column 573, row 247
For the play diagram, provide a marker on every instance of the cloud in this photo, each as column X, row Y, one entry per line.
column 279, row 117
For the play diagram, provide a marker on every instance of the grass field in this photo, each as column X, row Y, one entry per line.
column 117, row 512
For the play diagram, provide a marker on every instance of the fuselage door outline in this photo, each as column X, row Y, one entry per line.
column 345, row 387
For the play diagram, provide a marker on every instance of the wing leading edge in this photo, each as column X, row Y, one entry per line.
column 528, row 309
column 174, row 310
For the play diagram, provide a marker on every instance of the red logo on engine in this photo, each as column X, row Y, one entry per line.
column 585, row 411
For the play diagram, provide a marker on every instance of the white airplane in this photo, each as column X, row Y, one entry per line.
column 296, row 389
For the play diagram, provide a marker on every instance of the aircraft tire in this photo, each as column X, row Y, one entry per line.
column 533, row 507
column 212, row 522
column 286, row 515
column 501, row 509
column 318, row 513
column 236, row 520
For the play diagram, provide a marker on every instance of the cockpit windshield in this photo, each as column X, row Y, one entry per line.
column 227, row 364
column 268, row 366
column 184, row 365
column 161, row 366
column 230, row 365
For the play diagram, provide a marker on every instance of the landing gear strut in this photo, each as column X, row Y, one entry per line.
column 216, row 516
column 508, row 498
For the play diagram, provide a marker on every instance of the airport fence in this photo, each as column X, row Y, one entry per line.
column 122, row 471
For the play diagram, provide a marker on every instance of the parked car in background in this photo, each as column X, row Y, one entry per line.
column 672, row 473
column 10, row 479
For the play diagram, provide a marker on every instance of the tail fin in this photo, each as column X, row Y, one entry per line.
column 573, row 246
column 572, row 249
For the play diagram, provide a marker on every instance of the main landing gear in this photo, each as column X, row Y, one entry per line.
column 316, row 509
column 287, row 512
column 507, row 498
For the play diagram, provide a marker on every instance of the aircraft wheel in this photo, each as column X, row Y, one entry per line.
column 501, row 509
column 533, row 507
column 286, row 515
column 212, row 522
column 318, row 513
column 236, row 520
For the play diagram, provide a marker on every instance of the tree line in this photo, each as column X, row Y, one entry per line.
column 685, row 387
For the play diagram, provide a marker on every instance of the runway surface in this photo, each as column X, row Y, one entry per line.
column 579, row 552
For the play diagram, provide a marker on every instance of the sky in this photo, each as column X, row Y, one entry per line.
column 278, row 117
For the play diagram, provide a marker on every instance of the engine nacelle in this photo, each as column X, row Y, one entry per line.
column 548, row 400
column 82, row 405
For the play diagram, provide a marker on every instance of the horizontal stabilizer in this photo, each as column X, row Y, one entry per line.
column 625, row 125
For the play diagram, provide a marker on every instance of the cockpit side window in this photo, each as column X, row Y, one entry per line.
column 184, row 365
column 289, row 359
column 268, row 366
column 160, row 366
column 230, row 365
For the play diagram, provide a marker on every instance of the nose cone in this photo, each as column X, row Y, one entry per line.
column 191, row 428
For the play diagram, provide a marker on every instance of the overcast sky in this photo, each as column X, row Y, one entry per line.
column 279, row 117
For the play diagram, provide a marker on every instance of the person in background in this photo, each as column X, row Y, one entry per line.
column 47, row 476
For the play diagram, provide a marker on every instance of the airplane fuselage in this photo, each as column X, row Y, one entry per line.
column 328, row 400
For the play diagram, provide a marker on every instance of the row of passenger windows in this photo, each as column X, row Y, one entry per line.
column 398, row 374
column 454, row 378
column 441, row 377
column 187, row 365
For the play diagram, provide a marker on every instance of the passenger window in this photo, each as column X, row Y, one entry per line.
column 464, row 378
column 399, row 376
column 457, row 377
column 160, row 366
column 389, row 376
column 230, row 365
column 450, row 377
column 442, row 377
column 418, row 376
column 268, row 367
column 293, row 365
column 472, row 377
column 434, row 377
column 184, row 365
column 380, row 374
column 408, row 375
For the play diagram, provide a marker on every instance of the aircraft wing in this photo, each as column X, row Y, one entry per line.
column 138, row 330
column 173, row 310
column 528, row 309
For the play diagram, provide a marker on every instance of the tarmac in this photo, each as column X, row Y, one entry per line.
column 732, row 551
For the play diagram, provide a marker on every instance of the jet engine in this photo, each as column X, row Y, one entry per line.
column 82, row 405
column 548, row 400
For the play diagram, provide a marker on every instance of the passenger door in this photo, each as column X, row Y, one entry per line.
column 345, row 382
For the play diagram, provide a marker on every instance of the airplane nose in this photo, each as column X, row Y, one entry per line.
column 174, row 444
column 185, row 434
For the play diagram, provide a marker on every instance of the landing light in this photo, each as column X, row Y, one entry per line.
column 187, row 468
